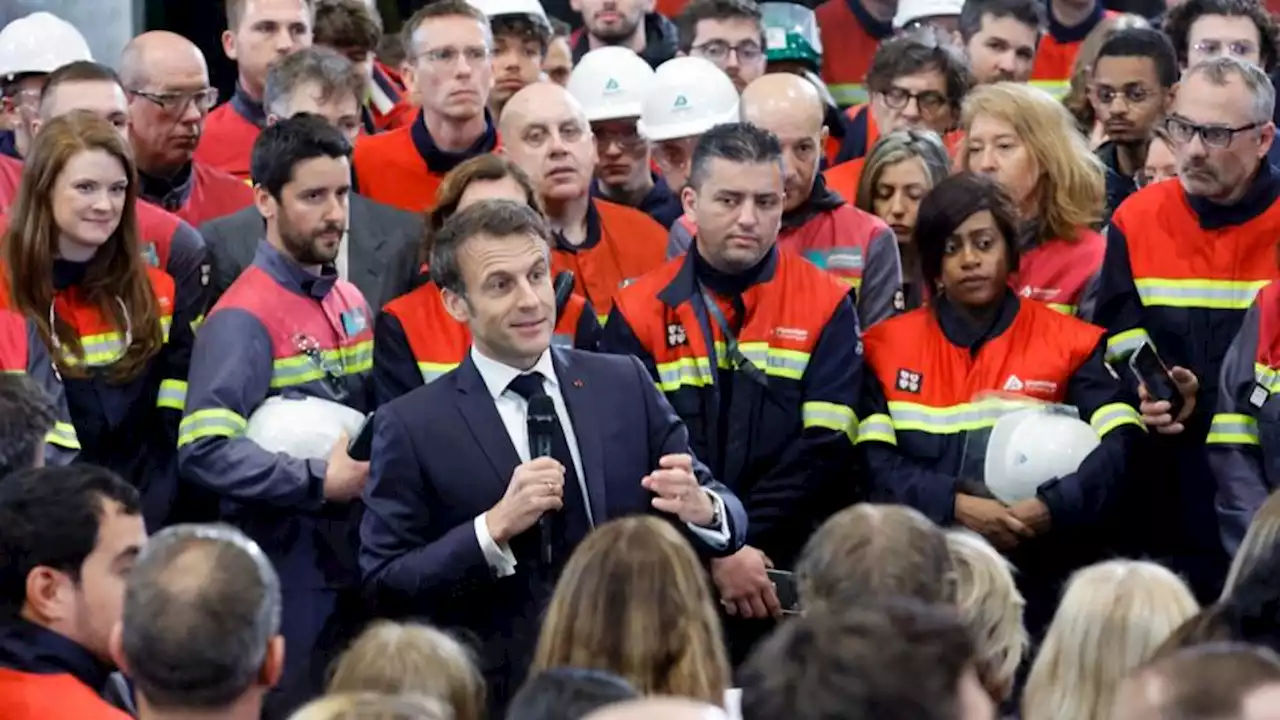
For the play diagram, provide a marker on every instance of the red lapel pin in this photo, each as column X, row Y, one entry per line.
column 577, row 382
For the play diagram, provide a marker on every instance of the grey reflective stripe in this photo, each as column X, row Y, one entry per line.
column 826, row 418
column 1155, row 292
column 691, row 372
column 762, row 358
column 876, row 427
column 956, row 419
column 1233, row 427
column 201, row 421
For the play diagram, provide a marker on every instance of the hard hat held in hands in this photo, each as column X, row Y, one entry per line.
column 39, row 43
column 1032, row 446
column 687, row 97
column 301, row 427
column 610, row 83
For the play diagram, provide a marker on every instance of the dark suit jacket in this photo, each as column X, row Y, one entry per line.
column 441, row 456
column 383, row 253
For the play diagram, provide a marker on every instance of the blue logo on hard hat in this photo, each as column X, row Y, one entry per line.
column 681, row 101
column 611, row 86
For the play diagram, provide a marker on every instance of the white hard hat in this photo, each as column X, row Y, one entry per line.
column 911, row 10
column 530, row 8
column 610, row 83
column 688, row 96
column 1028, row 448
column 39, row 43
column 301, row 427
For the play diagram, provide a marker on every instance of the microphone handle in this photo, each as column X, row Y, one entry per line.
column 541, row 447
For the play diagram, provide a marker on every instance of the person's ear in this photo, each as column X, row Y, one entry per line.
column 267, row 206
column 48, row 594
column 456, row 304
column 272, row 119
column 689, row 200
column 229, row 45
column 115, row 646
column 272, row 663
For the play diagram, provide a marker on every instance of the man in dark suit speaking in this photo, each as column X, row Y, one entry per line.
column 461, row 526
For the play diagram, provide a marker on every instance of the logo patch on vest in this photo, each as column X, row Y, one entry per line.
column 1032, row 387
column 910, row 380
column 354, row 322
column 1041, row 294
column 899, row 300
column 1013, row 384
column 151, row 255
column 1259, row 396
column 792, row 334
column 676, row 336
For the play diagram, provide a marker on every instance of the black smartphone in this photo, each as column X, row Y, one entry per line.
column 1146, row 365
column 361, row 445
column 784, row 582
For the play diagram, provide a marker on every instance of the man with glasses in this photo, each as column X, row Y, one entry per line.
column 1130, row 88
column 917, row 82
column 170, row 98
column 258, row 34
column 729, row 33
column 1184, row 260
column 450, row 64
column 289, row 327
column 610, row 84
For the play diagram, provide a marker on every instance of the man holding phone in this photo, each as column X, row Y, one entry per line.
column 1183, row 262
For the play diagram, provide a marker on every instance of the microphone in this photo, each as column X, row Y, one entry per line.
column 542, row 427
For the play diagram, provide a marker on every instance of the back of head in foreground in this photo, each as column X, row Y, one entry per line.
column 660, row 708
column 201, row 622
column 1217, row 681
column 372, row 706
column 895, row 660
column 567, row 693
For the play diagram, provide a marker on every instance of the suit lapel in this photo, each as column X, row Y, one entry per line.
column 590, row 444
column 365, row 253
column 481, row 415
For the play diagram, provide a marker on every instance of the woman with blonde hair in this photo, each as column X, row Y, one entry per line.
column 991, row 607
column 118, row 332
column 415, row 339
column 395, row 658
column 1259, row 541
column 902, row 168
column 633, row 600
column 1113, row 617
column 1077, row 99
column 1027, row 141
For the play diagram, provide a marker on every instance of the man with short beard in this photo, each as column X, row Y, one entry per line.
column 290, row 326
column 627, row 23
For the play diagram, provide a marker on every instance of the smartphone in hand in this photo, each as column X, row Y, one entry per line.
column 1150, row 370
column 784, row 582
column 361, row 445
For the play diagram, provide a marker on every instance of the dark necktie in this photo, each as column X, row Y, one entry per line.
column 570, row 524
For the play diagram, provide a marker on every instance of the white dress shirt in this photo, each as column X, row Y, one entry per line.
column 514, row 411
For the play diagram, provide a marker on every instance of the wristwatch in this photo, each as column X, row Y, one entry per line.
column 716, row 518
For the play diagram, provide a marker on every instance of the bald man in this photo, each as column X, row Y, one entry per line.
column 817, row 223
column 169, row 99
column 667, row 708
column 605, row 245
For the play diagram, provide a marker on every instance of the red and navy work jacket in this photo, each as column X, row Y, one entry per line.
column 928, row 371
column 1180, row 272
column 776, row 420
column 23, row 353
column 278, row 330
column 853, row 245
column 622, row 244
column 387, row 106
column 229, row 133
column 1059, row 272
column 46, row 676
column 129, row 427
column 416, row 340
column 199, row 193
column 404, row 167
column 1057, row 50
column 1244, row 435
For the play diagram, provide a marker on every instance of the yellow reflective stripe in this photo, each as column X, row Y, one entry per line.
column 1194, row 293
column 949, row 420
column 1056, row 88
column 695, row 372
column 195, row 324
column 877, row 428
column 848, row 94
column 172, row 395
column 1064, row 309
column 434, row 371
column 1233, row 429
column 1113, row 415
column 63, row 435
column 831, row 416
column 105, row 349
column 1123, row 344
column 299, row 369
column 215, row 422
column 1266, row 377
column 166, row 324
column 774, row 361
